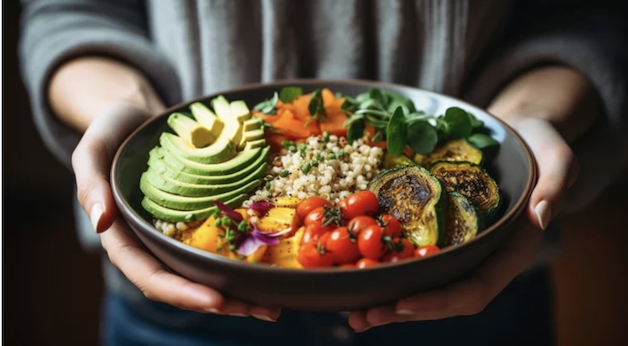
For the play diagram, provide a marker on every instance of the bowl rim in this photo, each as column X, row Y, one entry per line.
column 130, row 214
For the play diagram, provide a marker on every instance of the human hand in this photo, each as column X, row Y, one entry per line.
column 92, row 162
column 530, row 105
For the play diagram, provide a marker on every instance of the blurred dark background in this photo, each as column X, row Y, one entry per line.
column 52, row 288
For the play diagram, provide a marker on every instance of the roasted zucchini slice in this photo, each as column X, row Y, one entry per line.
column 452, row 150
column 416, row 198
column 471, row 181
column 463, row 220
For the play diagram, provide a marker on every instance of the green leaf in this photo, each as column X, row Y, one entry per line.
column 268, row 106
column 475, row 122
column 397, row 132
column 317, row 111
column 378, row 96
column 289, row 94
column 356, row 131
column 482, row 141
column 422, row 137
column 348, row 106
column 371, row 104
column 458, row 123
column 377, row 123
column 362, row 97
column 353, row 119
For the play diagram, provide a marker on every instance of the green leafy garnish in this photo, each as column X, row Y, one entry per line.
column 268, row 106
column 289, row 94
column 396, row 132
column 356, row 131
column 457, row 123
column 422, row 137
column 481, row 141
column 317, row 111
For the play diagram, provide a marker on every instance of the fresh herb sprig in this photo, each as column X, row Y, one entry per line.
column 396, row 121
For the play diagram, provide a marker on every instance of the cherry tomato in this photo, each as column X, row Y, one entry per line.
column 365, row 263
column 314, row 254
column 318, row 217
column 359, row 203
column 401, row 249
column 309, row 204
column 342, row 246
column 426, row 250
column 370, row 242
column 358, row 223
column 391, row 226
column 312, row 232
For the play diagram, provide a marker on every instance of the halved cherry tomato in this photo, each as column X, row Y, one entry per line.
column 342, row 246
column 314, row 254
column 391, row 226
column 309, row 204
column 358, row 223
column 401, row 249
column 370, row 242
column 365, row 263
column 319, row 217
column 426, row 250
column 359, row 203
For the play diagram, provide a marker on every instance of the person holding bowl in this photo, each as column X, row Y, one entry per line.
column 96, row 70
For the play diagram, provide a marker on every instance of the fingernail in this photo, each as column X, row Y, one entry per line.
column 543, row 213
column 238, row 315
column 212, row 311
column 405, row 312
column 95, row 215
column 264, row 318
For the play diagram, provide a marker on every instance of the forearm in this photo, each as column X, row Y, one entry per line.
column 84, row 87
column 558, row 94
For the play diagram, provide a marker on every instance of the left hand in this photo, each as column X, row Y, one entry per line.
column 558, row 169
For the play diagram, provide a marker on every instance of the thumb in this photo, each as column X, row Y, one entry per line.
column 557, row 168
column 93, row 156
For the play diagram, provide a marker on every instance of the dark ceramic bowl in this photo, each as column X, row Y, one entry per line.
column 324, row 289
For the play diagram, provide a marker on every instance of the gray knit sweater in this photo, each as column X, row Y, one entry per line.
column 466, row 48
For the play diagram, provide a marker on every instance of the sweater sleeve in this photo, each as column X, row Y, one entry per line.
column 593, row 43
column 54, row 31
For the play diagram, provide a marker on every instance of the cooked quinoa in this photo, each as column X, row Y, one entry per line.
column 331, row 169
column 174, row 229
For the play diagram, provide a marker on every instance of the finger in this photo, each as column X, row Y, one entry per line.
column 92, row 159
column 557, row 168
column 357, row 321
column 150, row 277
column 471, row 295
column 265, row 314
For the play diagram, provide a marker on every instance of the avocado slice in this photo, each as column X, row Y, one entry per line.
column 207, row 118
column 252, row 124
column 233, row 125
column 240, row 110
column 176, row 187
column 190, row 131
column 249, row 136
column 238, row 162
column 171, row 215
column 221, row 150
column 161, row 166
column 177, row 202
column 255, row 144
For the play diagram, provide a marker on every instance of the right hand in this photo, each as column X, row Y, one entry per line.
column 92, row 162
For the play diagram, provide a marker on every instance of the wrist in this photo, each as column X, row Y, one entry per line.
column 557, row 94
column 85, row 87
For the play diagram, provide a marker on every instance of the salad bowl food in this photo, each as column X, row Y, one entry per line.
column 322, row 195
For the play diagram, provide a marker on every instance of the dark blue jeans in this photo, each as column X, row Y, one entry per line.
column 520, row 315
